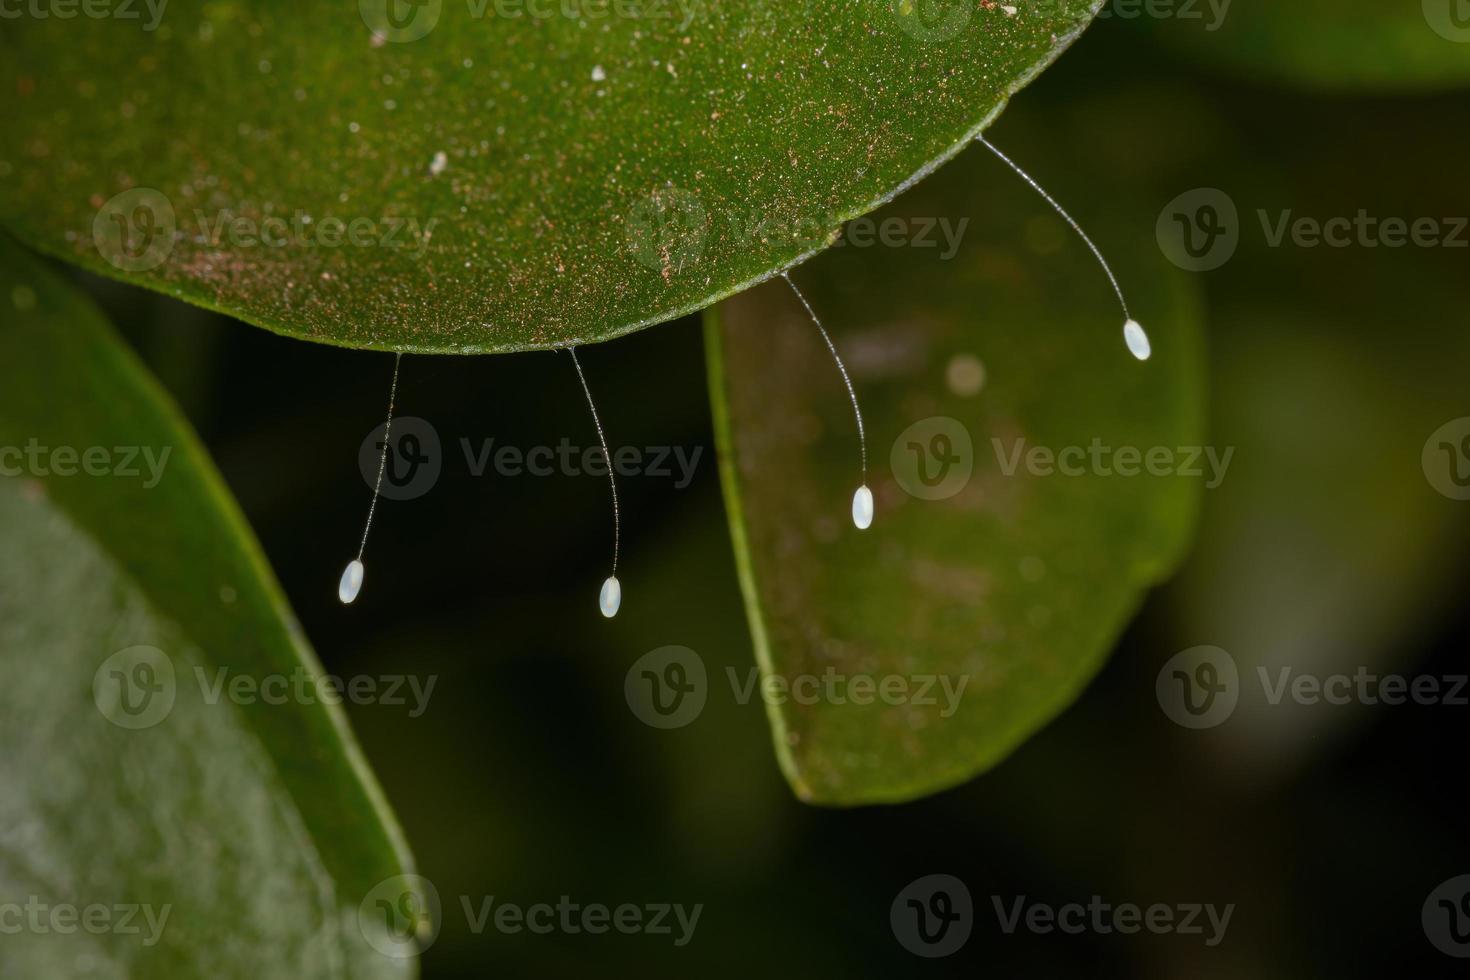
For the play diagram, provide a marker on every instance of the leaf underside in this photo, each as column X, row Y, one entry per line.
column 1011, row 585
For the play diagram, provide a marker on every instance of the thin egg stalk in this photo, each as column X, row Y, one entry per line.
column 611, row 597
column 862, row 508
column 862, row 500
column 1133, row 333
column 351, row 582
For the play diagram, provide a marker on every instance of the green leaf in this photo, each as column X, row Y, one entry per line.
column 1413, row 45
column 585, row 176
column 1010, row 582
column 130, row 586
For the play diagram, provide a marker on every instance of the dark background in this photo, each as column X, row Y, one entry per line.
column 529, row 778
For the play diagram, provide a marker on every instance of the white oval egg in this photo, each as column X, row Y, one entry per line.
column 862, row 508
column 1137, row 340
column 351, row 582
column 611, row 597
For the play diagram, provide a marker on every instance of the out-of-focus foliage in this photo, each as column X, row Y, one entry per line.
column 1361, row 46
column 133, row 600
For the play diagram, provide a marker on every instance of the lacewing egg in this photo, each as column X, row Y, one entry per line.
column 862, row 508
column 1137, row 340
column 611, row 597
column 351, row 583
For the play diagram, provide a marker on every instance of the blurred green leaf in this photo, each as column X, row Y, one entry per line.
column 1411, row 45
column 1329, row 550
column 130, row 589
column 1330, row 427
column 518, row 179
column 1010, row 581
